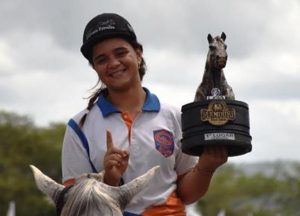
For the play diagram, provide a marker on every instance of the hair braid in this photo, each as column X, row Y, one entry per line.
column 92, row 99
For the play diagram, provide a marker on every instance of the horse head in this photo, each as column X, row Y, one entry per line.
column 214, row 84
column 217, row 55
column 89, row 195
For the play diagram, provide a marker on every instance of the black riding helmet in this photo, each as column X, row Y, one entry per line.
column 104, row 26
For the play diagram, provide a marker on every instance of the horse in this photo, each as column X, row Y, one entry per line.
column 89, row 196
column 214, row 84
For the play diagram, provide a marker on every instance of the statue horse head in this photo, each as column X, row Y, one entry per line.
column 90, row 196
column 214, row 84
column 217, row 55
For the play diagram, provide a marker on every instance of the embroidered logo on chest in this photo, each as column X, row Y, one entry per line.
column 164, row 142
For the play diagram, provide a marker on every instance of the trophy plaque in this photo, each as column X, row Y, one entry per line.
column 215, row 118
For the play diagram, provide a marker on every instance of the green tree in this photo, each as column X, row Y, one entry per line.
column 21, row 144
column 261, row 195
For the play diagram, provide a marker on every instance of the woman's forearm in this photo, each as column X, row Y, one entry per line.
column 193, row 185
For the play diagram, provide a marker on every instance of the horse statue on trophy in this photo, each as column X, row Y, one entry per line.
column 214, row 84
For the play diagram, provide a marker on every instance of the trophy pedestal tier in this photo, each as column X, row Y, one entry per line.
column 216, row 123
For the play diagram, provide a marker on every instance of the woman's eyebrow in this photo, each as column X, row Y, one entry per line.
column 120, row 49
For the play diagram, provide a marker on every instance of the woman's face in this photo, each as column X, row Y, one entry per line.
column 117, row 63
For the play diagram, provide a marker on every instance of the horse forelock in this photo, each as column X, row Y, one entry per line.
column 218, row 44
column 87, row 198
column 219, row 39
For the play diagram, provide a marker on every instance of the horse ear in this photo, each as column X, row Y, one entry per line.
column 130, row 189
column 209, row 38
column 47, row 185
column 223, row 36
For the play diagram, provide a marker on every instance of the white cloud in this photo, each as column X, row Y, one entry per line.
column 44, row 75
column 6, row 61
column 274, row 126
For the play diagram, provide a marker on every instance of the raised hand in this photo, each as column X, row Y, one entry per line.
column 115, row 162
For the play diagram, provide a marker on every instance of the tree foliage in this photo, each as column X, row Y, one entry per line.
column 22, row 144
column 238, row 193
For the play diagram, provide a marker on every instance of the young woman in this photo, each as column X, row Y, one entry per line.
column 126, row 130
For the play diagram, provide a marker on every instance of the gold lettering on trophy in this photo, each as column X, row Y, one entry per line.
column 217, row 113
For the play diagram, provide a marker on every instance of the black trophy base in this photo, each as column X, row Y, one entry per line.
column 232, row 133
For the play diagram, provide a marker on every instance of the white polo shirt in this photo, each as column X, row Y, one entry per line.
column 154, row 140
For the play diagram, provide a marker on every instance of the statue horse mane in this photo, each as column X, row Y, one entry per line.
column 213, row 77
column 90, row 196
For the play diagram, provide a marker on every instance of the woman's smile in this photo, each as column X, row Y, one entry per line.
column 117, row 73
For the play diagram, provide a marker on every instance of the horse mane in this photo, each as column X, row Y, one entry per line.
column 86, row 198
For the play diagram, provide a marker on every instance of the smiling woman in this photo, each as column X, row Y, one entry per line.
column 140, row 131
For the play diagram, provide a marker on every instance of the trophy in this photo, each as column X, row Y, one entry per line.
column 215, row 118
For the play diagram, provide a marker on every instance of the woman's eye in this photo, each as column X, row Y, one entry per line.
column 101, row 60
column 121, row 52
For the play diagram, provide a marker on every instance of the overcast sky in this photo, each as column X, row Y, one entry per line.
column 43, row 74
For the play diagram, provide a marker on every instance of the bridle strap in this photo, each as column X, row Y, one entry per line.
column 60, row 201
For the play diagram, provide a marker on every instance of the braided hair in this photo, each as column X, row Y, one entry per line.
column 94, row 97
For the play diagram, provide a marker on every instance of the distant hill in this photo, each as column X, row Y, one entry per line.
column 278, row 169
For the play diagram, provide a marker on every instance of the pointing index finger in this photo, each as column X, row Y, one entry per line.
column 109, row 142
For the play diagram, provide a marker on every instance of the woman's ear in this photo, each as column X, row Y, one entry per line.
column 139, row 54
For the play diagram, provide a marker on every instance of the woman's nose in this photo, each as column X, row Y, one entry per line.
column 113, row 62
